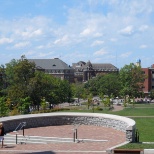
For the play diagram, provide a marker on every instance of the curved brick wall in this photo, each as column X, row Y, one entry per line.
column 124, row 124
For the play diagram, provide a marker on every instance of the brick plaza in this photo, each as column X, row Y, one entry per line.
column 94, row 133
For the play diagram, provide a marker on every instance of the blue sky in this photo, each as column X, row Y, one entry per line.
column 102, row 31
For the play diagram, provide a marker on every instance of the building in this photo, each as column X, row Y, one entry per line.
column 149, row 81
column 148, row 84
column 84, row 71
column 55, row 67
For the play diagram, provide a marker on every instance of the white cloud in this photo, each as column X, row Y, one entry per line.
column 125, row 55
column 143, row 46
column 97, row 42
column 5, row 40
column 40, row 47
column 21, row 44
column 36, row 54
column 142, row 28
column 129, row 30
column 113, row 39
column 44, row 54
column 64, row 39
column 100, row 52
column 29, row 33
column 87, row 32
column 30, row 53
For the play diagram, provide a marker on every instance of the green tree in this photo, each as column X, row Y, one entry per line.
column 91, row 86
column 152, row 94
column 4, row 110
column 108, row 84
column 19, row 74
column 3, row 82
column 23, row 105
column 77, row 90
column 132, row 79
column 43, row 103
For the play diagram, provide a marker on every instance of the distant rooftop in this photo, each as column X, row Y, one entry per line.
column 55, row 63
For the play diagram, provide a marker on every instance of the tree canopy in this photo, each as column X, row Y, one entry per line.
column 132, row 79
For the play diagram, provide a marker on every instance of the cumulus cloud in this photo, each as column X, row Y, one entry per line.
column 127, row 31
column 125, row 55
column 40, row 47
column 64, row 39
column 97, row 42
column 113, row 39
column 31, row 33
column 21, row 44
column 143, row 28
column 44, row 54
column 143, row 46
column 100, row 52
column 5, row 40
column 87, row 32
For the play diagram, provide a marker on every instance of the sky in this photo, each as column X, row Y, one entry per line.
column 103, row 31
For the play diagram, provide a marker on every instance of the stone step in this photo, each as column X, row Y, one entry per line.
column 9, row 138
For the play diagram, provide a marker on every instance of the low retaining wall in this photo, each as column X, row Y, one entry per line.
column 124, row 124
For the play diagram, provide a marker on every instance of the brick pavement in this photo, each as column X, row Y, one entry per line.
column 114, row 138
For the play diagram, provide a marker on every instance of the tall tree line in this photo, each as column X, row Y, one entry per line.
column 22, row 86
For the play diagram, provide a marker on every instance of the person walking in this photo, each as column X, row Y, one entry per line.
column 2, row 134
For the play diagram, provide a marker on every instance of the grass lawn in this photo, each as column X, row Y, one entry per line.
column 136, row 112
column 137, row 146
column 125, row 112
column 146, row 129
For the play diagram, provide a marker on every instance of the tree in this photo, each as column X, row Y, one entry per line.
column 92, row 86
column 108, row 84
column 18, row 74
column 78, row 90
column 2, row 80
column 131, row 80
column 23, row 105
column 43, row 103
column 152, row 94
column 4, row 110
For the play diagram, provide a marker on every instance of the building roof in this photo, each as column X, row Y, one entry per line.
column 55, row 63
column 95, row 66
column 103, row 66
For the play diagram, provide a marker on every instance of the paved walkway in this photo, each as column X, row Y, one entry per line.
column 117, row 107
column 114, row 138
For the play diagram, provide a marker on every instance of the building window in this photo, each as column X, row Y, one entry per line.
column 143, row 72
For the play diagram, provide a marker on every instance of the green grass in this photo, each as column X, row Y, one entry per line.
column 137, row 146
column 144, row 105
column 146, row 129
column 124, row 112
column 146, row 134
column 136, row 112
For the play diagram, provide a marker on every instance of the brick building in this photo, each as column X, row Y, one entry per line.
column 149, row 81
column 84, row 71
